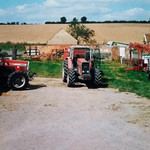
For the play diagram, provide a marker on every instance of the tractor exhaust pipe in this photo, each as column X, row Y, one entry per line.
column 14, row 53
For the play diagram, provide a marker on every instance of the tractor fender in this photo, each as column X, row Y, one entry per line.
column 70, row 66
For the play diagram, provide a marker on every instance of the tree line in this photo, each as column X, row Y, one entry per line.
column 83, row 19
column 63, row 20
column 13, row 23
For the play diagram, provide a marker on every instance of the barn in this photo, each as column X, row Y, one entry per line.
column 62, row 37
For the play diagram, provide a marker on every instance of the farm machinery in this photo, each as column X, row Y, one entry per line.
column 81, row 63
column 142, row 62
column 15, row 73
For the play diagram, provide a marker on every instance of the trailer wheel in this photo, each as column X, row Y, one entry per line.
column 97, row 77
column 71, row 77
column 64, row 71
column 18, row 80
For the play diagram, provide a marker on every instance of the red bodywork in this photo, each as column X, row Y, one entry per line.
column 66, row 52
column 17, row 64
column 69, row 63
column 79, row 62
column 140, row 48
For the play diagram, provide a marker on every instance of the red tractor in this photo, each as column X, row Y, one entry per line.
column 80, row 65
column 15, row 73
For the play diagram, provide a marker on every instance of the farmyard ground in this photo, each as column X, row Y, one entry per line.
column 51, row 116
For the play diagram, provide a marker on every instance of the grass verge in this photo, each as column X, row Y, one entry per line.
column 128, row 81
column 46, row 69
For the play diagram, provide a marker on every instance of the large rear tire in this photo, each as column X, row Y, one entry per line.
column 97, row 77
column 64, row 71
column 18, row 80
column 71, row 78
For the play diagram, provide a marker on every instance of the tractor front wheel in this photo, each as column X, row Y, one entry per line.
column 18, row 80
column 64, row 71
column 71, row 77
column 97, row 77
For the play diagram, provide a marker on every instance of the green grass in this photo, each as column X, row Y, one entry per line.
column 128, row 81
column 46, row 69
column 9, row 46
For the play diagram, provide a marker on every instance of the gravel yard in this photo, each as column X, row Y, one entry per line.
column 51, row 116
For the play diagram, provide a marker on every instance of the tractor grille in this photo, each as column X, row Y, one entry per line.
column 85, row 68
column 22, row 69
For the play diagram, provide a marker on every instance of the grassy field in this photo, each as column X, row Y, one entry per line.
column 114, row 76
column 126, row 81
column 8, row 46
column 46, row 69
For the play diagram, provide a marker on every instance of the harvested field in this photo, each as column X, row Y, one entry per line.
column 104, row 32
column 28, row 33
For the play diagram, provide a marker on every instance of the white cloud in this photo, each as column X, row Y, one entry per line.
column 131, row 14
column 21, row 7
column 2, row 12
column 51, row 3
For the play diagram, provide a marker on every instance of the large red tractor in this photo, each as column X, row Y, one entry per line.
column 15, row 73
column 80, row 65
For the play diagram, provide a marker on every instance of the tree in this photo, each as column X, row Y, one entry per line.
column 63, row 19
column 80, row 31
column 83, row 19
column 24, row 23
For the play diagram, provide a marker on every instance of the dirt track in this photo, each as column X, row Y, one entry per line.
column 50, row 116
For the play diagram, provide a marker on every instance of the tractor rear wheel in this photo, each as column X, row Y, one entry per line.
column 18, row 80
column 71, row 77
column 64, row 71
column 97, row 77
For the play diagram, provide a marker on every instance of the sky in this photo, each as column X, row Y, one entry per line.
column 40, row 11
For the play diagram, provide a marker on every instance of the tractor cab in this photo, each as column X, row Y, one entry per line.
column 79, row 53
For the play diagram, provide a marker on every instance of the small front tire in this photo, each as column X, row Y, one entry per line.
column 64, row 71
column 18, row 80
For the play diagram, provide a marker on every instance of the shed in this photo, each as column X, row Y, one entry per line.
column 146, row 39
column 62, row 37
column 112, row 43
